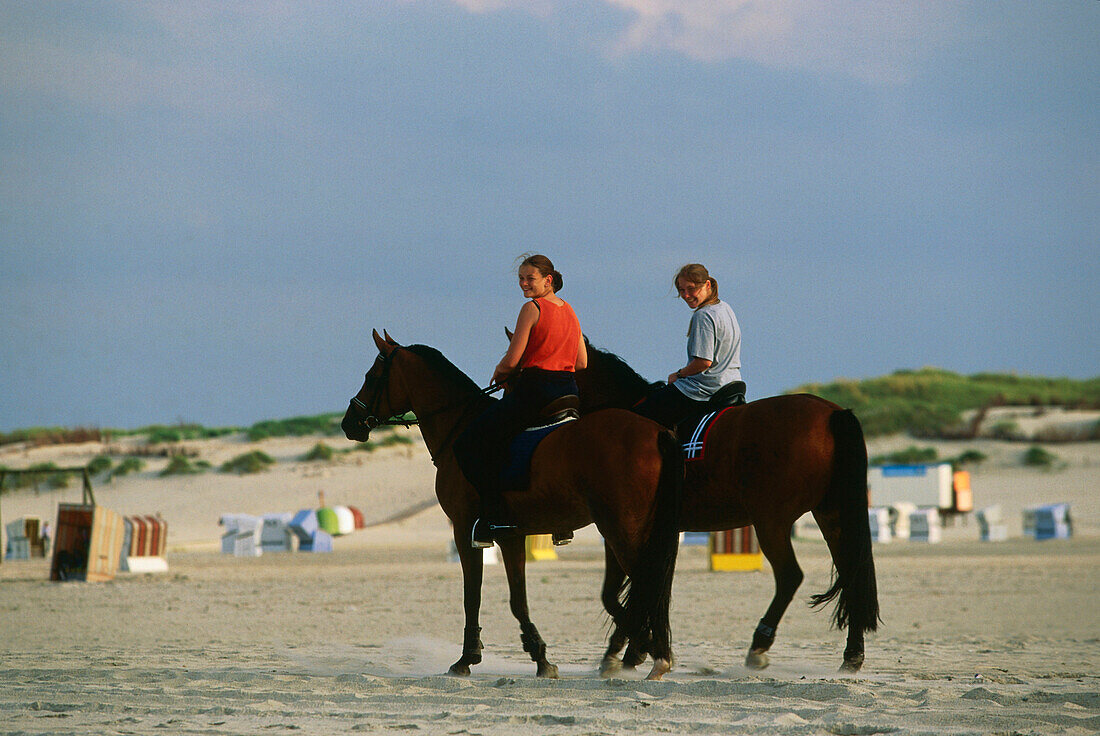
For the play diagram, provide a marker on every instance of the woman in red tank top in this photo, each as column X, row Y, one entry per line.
column 546, row 350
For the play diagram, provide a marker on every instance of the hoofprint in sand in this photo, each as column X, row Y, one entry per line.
column 977, row 637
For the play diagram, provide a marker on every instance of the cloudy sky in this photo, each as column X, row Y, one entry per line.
column 205, row 207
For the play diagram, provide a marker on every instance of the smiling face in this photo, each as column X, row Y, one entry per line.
column 693, row 294
column 533, row 284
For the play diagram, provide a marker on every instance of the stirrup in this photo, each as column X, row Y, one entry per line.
column 560, row 540
column 480, row 543
column 493, row 532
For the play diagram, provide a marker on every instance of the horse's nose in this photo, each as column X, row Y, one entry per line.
column 354, row 429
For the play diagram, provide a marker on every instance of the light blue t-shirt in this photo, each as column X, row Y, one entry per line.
column 713, row 335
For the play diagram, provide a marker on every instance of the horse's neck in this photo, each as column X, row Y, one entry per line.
column 443, row 406
column 621, row 385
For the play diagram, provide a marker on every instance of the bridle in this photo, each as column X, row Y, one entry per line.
column 371, row 420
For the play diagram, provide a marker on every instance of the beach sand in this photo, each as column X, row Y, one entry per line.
column 977, row 638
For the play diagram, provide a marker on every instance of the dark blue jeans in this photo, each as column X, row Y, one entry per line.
column 668, row 406
column 482, row 448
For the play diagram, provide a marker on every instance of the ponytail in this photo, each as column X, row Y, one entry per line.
column 696, row 273
column 545, row 268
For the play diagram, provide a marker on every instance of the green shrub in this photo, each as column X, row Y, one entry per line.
column 250, row 462
column 127, row 466
column 969, row 457
column 395, row 439
column 164, row 434
column 158, row 433
column 320, row 451
column 99, row 464
column 182, row 465
column 911, row 455
column 1037, row 457
column 47, row 474
column 53, row 435
column 323, row 424
column 58, row 480
column 1005, row 430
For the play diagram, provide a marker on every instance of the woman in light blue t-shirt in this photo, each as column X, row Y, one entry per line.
column 713, row 351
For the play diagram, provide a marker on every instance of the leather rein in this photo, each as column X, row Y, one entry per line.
column 371, row 420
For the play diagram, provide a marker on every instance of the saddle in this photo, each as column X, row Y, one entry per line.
column 557, row 411
column 732, row 394
column 554, row 415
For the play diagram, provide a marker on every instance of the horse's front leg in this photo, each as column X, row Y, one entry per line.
column 514, row 554
column 473, row 568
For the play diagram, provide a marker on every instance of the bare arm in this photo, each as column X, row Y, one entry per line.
column 528, row 316
column 696, row 365
column 582, row 356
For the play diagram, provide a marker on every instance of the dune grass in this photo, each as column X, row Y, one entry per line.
column 930, row 402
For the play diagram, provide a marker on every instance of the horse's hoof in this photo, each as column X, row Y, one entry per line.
column 548, row 670
column 459, row 669
column 661, row 667
column 756, row 660
column 852, row 665
column 610, row 666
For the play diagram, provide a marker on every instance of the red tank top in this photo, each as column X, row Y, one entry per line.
column 554, row 340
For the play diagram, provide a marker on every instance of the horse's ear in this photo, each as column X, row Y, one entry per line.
column 384, row 347
column 389, row 339
column 508, row 333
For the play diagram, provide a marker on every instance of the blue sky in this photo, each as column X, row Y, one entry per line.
column 206, row 207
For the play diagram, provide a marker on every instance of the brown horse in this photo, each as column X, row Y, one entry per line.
column 613, row 468
column 766, row 463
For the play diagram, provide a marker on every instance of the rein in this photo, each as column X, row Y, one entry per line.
column 371, row 420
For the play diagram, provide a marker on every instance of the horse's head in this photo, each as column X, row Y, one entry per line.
column 381, row 400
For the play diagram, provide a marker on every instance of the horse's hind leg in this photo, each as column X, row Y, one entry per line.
column 613, row 580
column 854, row 649
column 515, row 566
column 636, row 650
column 775, row 543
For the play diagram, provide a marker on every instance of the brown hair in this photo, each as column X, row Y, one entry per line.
column 545, row 268
column 696, row 273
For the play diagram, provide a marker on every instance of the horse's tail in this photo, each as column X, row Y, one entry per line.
column 649, row 594
column 854, row 574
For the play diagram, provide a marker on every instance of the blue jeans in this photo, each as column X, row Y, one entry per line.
column 669, row 406
column 482, row 448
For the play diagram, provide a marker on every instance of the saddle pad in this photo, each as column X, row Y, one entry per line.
column 523, row 448
column 694, row 434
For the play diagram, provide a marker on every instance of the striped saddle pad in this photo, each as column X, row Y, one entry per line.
column 693, row 433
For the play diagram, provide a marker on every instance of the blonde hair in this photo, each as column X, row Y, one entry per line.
column 696, row 273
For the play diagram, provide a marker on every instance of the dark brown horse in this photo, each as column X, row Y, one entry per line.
column 766, row 463
column 613, row 468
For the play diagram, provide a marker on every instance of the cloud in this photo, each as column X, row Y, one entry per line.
column 150, row 58
column 875, row 42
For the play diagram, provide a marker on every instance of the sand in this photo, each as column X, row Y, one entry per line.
column 977, row 637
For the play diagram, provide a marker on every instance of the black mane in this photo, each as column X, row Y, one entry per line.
column 609, row 381
column 448, row 370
